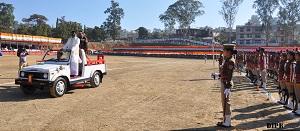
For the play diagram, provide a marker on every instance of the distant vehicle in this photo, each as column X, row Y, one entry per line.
column 95, row 52
column 54, row 73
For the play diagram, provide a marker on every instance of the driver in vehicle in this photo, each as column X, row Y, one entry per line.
column 59, row 55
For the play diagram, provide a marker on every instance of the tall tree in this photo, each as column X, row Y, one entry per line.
column 36, row 19
column 143, row 32
column 168, row 20
column 265, row 10
column 113, row 22
column 222, row 37
column 255, row 19
column 228, row 11
column 63, row 28
column 37, row 25
column 288, row 17
column 23, row 29
column 6, row 17
column 184, row 12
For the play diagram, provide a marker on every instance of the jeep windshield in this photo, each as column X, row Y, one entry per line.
column 56, row 56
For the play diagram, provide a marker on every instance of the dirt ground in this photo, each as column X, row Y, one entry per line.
column 140, row 93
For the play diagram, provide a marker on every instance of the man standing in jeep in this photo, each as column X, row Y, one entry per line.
column 73, row 45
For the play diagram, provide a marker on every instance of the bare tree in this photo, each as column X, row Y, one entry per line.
column 228, row 11
column 184, row 12
column 288, row 16
column 265, row 10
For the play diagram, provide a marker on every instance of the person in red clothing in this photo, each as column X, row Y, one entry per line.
column 288, row 77
column 297, row 83
column 282, row 83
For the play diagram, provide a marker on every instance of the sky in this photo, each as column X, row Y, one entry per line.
column 138, row 13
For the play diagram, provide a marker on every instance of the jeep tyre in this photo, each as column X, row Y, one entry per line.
column 96, row 79
column 27, row 90
column 59, row 87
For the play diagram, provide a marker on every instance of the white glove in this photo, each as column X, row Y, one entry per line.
column 226, row 92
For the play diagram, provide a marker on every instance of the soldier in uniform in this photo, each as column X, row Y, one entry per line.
column 297, row 82
column 83, row 41
column 281, row 69
column 239, row 60
column 256, row 70
column 276, row 66
column 288, row 77
column 226, row 83
column 263, row 67
column 220, row 60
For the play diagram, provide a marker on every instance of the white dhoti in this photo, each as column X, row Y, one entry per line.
column 73, row 45
column 74, row 65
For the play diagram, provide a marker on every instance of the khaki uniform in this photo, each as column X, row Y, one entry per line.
column 226, row 84
column 289, row 83
column 297, row 80
column 220, row 62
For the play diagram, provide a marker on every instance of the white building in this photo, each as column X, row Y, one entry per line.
column 249, row 34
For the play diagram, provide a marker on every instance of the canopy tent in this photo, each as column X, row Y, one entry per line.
column 24, row 39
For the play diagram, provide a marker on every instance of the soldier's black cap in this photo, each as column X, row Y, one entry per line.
column 262, row 49
column 291, row 53
column 283, row 54
column 228, row 46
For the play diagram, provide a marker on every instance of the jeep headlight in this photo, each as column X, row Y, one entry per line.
column 22, row 74
column 45, row 75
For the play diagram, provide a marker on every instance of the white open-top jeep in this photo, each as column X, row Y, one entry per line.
column 53, row 72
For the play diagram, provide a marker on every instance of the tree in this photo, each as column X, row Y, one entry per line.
column 23, row 29
column 168, row 20
column 63, row 28
column 228, row 11
column 95, row 34
column 265, row 10
column 288, row 17
column 37, row 25
column 143, row 32
column 6, row 17
column 113, row 22
column 36, row 19
column 157, row 35
column 222, row 37
column 184, row 12
column 255, row 19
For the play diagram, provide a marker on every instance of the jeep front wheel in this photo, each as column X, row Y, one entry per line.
column 59, row 87
column 95, row 80
column 27, row 90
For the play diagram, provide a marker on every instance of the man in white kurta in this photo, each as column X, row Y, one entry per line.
column 73, row 45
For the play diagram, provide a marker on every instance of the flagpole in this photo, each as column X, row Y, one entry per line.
column 213, row 51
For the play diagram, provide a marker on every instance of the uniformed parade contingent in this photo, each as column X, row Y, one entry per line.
column 282, row 67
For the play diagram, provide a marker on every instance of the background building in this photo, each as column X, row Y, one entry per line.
column 284, row 38
column 248, row 34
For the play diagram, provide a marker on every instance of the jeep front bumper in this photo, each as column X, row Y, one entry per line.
column 37, row 83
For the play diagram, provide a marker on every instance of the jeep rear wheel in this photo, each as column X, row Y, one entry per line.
column 59, row 87
column 96, row 79
column 27, row 90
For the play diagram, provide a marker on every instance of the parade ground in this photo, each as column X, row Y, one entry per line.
column 142, row 93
